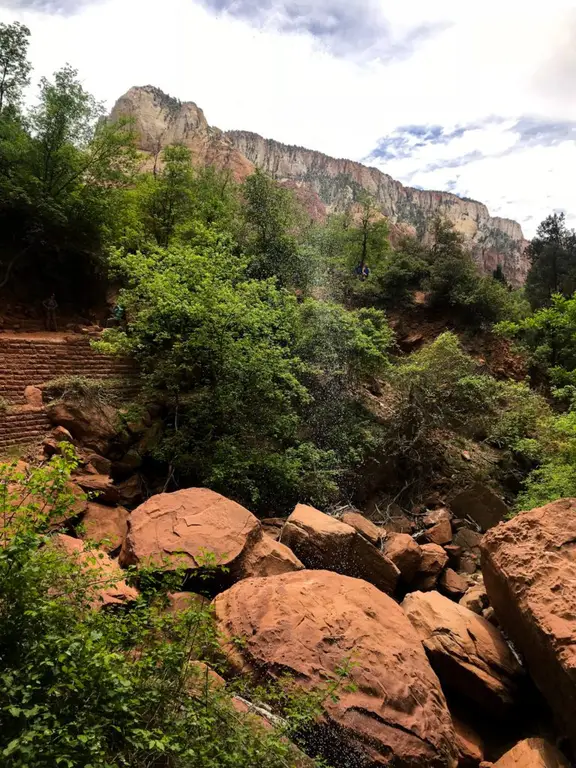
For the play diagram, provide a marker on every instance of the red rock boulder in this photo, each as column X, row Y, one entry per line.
column 468, row 654
column 406, row 555
column 533, row 753
column 105, row 524
column 364, row 527
column 529, row 568
column 267, row 558
column 322, row 542
column 309, row 624
column 181, row 529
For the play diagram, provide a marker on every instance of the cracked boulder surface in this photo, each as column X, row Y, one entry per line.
column 310, row 624
column 529, row 568
column 182, row 529
column 469, row 655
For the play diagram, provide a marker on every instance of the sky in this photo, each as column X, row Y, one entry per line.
column 476, row 99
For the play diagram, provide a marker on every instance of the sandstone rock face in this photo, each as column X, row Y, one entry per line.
column 183, row 527
column 267, row 558
column 115, row 591
column 470, row 745
column 467, row 653
column 102, row 523
column 529, row 567
column 323, row 183
column 322, row 542
column 406, row 555
column 92, row 425
column 363, row 526
column 492, row 240
column 532, row 753
column 481, row 504
column 308, row 623
column 452, row 584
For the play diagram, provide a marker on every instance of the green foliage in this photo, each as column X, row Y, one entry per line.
column 549, row 335
column 271, row 217
column 86, row 687
column 14, row 65
column 553, row 261
column 454, row 281
column 404, row 271
column 238, row 363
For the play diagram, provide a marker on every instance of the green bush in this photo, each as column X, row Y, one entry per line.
column 101, row 688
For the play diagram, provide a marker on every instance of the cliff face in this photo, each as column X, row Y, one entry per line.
column 325, row 184
column 493, row 240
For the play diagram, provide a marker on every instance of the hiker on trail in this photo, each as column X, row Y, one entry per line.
column 50, row 306
column 363, row 271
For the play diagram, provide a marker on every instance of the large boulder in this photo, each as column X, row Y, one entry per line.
column 267, row 558
column 433, row 560
column 182, row 529
column 110, row 587
column 309, row 624
column 481, row 504
column 467, row 653
column 93, row 424
column 322, row 542
column 529, row 567
column 533, row 753
column 364, row 526
column 406, row 555
column 105, row 524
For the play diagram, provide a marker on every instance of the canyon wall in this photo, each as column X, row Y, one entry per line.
column 325, row 184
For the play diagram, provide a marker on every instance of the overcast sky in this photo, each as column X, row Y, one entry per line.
column 478, row 99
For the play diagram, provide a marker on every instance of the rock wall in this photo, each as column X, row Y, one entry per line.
column 326, row 184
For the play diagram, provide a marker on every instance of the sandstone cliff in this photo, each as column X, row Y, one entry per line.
column 325, row 183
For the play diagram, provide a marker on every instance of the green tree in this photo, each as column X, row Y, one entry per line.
column 272, row 216
column 14, row 65
column 552, row 255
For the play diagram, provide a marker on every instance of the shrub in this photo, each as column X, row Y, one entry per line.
column 81, row 687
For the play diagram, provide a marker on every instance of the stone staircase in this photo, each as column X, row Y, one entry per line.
column 38, row 358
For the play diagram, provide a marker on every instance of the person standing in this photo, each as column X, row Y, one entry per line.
column 50, row 306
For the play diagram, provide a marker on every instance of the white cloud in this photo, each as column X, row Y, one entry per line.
column 326, row 81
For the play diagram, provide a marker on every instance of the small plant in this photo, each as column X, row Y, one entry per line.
column 4, row 405
column 82, row 388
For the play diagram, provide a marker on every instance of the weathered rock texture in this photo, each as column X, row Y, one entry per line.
column 324, row 183
column 532, row 753
column 308, row 623
column 185, row 527
column 321, row 541
column 467, row 653
column 529, row 567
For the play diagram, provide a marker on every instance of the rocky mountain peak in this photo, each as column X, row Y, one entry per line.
column 325, row 184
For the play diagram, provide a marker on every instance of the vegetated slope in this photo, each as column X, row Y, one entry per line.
column 328, row 184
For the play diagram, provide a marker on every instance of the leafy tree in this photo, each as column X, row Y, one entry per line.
column 272, row 217
column 14, row 65
column 552, row 255
column 404, row 271
column 237, row 361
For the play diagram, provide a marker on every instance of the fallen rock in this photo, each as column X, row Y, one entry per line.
column 100, row 464
column 436, row 516
column 105, row 524
column 475, row 599
column 433, row 562
column 406, row 555
column 452, row 584
column 267, row 558
column 99, row 487
column 272, row 526
column 62, row 435
column 180, row 529
column 308, row 623
column 469, row 540
column 115, row 591
column 470, row 745
column 322, row 542
column 467, row 653
column 529, row 568
column 481, row 504
column 533, row 753
column 364, row 526
column 94, row 425
column 440, row 533
column 130, row 491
